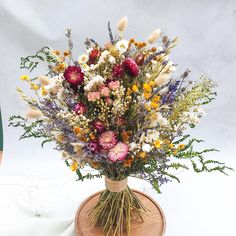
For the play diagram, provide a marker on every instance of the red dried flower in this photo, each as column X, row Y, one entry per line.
column 131, row 67
column 118, row 71
column 93, row 56
column 74, row 75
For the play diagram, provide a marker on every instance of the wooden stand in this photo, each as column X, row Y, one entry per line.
column 153, row 225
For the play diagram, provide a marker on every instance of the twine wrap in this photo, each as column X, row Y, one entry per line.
column 116, row 186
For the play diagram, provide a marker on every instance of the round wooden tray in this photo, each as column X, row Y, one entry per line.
column 154, row 222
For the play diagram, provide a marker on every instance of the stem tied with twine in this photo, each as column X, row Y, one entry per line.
column 116, row 207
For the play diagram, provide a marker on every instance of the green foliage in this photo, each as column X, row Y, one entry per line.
column 31, row 129
column 82, row 177
column 42, row 55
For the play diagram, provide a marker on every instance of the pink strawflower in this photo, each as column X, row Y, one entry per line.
column 108, row 140
column 99, row 126
column 74, row 75
column 93, row 96
column 118, row 152
column 113, row 85
column 118, row 71
column 131, row 67
column 105, row 91
column 108, row 101
column 80, row 108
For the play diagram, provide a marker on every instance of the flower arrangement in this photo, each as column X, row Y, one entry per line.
column 119, row 110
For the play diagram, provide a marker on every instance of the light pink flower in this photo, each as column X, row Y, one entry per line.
column 105, row 91
column 93, row 96
column 113, row 85
column 118, row 152
column 108, row 140
column 108, row 101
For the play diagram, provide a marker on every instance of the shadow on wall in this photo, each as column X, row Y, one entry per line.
column 1, row 137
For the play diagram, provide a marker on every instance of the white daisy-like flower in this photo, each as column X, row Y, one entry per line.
column 95, row 81
column 122, row 46
column 146, row 147
column 83, row 59
column 162, row 121
column 112, row 60
column 152, row 135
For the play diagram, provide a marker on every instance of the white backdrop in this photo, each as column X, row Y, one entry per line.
column 38, row 194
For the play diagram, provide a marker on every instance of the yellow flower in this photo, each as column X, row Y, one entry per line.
column 44, row 91
column 56, row 52
column 142, row 154
column 74, row 166
column 34, row 86
column 181, row 146
column 92, row 136
column 171, row 145
column 129, row 91
column 135, row 88
column 147, row 95
column 24, row 77
column 156, row 99
column 157, row 143
column 77, row 130
column 154, row 105
column 148, row 108
column 151, row 83
column 66, row 53
column 147, row 87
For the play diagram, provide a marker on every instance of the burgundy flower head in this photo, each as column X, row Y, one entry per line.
column 131, row 67
column 80, row 108
column 93, row 56
column 99, row 126
column 74, row 76
column 118, row 71
column 94, row 147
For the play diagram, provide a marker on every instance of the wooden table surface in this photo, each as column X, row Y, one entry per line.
column 153, row 225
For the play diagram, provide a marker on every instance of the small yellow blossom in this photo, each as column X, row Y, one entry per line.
column 156, row 99
column 147, row 95
column 135, row 88
column 151, row 83
column 92, row 136
column 66, row 53
column 129, row 91
column 77, row 130
column 157, row 143
column 56, row 52
column 142, row 154
column 24, row 77
column 181, row 146
column 74, row 166
column 147, row 87
column 44, row 91
column 34, row 86
column 154, row 105
column 171, row 145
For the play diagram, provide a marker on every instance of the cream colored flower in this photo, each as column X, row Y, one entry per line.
column 112, row 60
column 95, row 81
column 146, row 147
column 122, row 24
column 154, row 36
column 83, row 59
column 34, row 114
column 44, row 80
column 162, row 79
column 122, row 45
column 162, row 121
